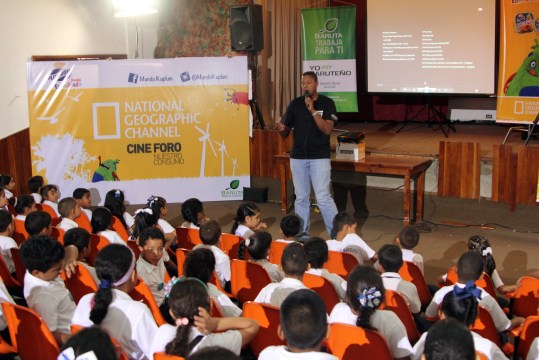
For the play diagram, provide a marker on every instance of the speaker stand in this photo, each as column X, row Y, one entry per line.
column 433, row 116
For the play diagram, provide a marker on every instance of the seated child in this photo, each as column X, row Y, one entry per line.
column 3, row 199
column 38, row 223
column 364, row 294
column 247, row 220
column 304, row 327
column 470, row 268
column 24, row 205
column 115, row 202
column 193, row 213
column 210, row 235
column 128, row 321
column 84, row 201
column 50, row 195
column 89, row 343
column 8, row 183
column 258, row 246
column 389, row 263
column 294, row 264
column 317, row 254
column 407, row 240
column 44, row 290
column 35, row 183
column 200, row 264
column 68, row 208
column 449, row 340
column 346, row 240
column 289, row 228
column 101, row 224
column 80, row 239
column 6, row 241
column 195, row 328
column 160, row 209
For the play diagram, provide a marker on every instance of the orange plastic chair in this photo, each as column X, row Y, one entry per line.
column 181, row 255
column 49, row 210
column 20, row 234
column 80, row 283
column 142, row 292
column 84, row 222
column 230, row 244
column 117, row 347
column 97, row 242
column 119, row 228
column 276, row 251
column 395, row 302
column 341, row 263
column 163, row 356
column 530, row 330
column 324, row 288
column 29, row 334
column 5, row 348
column 525, row 300
column 9, row 280
column 349, row 342
column 132, row 244
column 58, row 234
column 484, row 283
column 215, row 281
column 268, row 319
column 20, row 269
column 411, row 272
column 247, row 279
column 187, row 238
column 484, row 326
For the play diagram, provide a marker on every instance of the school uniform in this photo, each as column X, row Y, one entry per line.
column 129, row 220
column 87, row 212
column 350, row 241
column 8, row 193
column 275, row 293
column 53, row 205
column 4, row 296
column 6, row 243
column 67, row 224
column 275, row 274
column 496, row 279
column 51, row 300
column 37, row 197
column 222, row 263
column 386, row 322
column 501, row 321
column 129, row 322
column 533, row 353
column 154, row 277
column 484, row 346
column 189, row 225
column 393, row 281
column 285, row 241
column 223, row 302
column 281, row 353
column 113, row 237
column 165, row 226
column 20, row 217
column 338, row 282
column 230, row 339
column 244, row 232
column 409, row 255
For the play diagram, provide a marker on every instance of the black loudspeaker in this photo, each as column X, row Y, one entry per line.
column 246, row 28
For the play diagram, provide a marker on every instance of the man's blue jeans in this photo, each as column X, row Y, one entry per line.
column 318, row 173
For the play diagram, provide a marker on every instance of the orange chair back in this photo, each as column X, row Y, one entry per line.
column 20, row 269
column 181, row 255
column 84, row 222
column 324, row 288
column 80, row 283
column 119, row 228
column 341, row 263
column 97, row 242
column 132, row 244
column 247, row 279
column 142, row 292
column 484, row 283
column 9, row 280
column 163, row 356
column 525, row 302
column 268, row 319
column 230, row 244
column 276, row 251
column 411, row 272
column 349, row 342
column 58, row 234
column 484, row 326
column 395, row 302
column 49, row 210
column 187, row 238
column 530, row 331
column 29, row 333
column 20, row 234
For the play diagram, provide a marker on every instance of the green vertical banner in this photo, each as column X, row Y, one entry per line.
column 329, row 49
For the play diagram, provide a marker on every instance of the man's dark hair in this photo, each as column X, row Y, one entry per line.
column 294, row 260
column 449, row 339
column 290, row 225
column 36, row 221
column 311, row 73
column 41, row 253
column 317, row 252
column 390, row 257
column 304, row 319
column 35, row 183
column 470, row 266
column 200, row 264
column 210, row 232
column 78, row 237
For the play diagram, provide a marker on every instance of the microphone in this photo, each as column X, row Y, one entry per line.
column 306, row 95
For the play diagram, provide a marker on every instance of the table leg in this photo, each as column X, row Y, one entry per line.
column 406, row 219
column 420, row 191
column 282, row 174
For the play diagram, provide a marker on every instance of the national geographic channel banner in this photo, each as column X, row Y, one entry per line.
column 518, row 78
column 177, row 128
column 329, row 49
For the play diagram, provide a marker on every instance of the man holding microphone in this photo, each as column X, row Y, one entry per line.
column 313, row 117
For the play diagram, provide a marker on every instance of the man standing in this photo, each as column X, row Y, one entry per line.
column 312, row 116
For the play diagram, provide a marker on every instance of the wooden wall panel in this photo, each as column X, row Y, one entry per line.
column 528, row 166
column 459, row 170
column 15, row 159
column 504, row 175
column 264, row 145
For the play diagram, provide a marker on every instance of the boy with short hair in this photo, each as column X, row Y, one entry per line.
column 150, row 264
column 44, row 290
column 68, row 208
column 38, row 223
column 210, row 234
column 6, row 241
column 294, row 264
column 35, row 183
column 408, row 239
column 289, row 228
column 80, row 239
column 389, row 263
column 449, row 340
column 346, row 239
column 304, row 327
column 84, row 201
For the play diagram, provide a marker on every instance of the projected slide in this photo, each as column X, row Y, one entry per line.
column 431, row 46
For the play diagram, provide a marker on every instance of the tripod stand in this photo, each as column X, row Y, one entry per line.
column 433, row 116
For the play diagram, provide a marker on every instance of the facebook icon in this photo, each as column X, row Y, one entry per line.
column 133, row 78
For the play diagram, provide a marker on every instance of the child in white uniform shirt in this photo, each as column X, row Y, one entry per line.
column 84, row 201
column 346, row 239
column 128, row 321
column 6, row 241
column 24, row 205
column 35, row 183
column 189, row 306
column 407, row 240
column 258, row 246
column 247, row 220
column 160, row 209
column 3, row 198
column 38, row 223
column 101, row 224
column 50, row 195
column 365, row 293
column 294, row 264
column 44, row 290
column 304, row 326
column 449, row 340
column 210, row 235
column 193, row 213
column 8, row 183
column 69, row 210
column 289, row 228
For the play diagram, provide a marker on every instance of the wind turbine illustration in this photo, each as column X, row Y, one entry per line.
column 222, row 149
column 234, row 166
column 205, row 138
column 54, row 118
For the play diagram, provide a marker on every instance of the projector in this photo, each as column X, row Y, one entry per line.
column 351, row 146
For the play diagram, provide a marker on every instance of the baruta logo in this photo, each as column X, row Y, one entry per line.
column 184, row 76
column 232, row 189
column 136, row 78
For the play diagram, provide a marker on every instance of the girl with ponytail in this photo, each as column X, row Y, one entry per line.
column 189, row 305
column 128, row 321
column 364, row 294
column 24, row 205
column 258, row 246
column 247, row 221
column 159, row 207
column 193, row 213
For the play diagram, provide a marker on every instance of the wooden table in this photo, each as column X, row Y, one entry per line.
column 407, row 166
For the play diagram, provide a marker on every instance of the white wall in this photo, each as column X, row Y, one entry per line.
column 59, row 27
